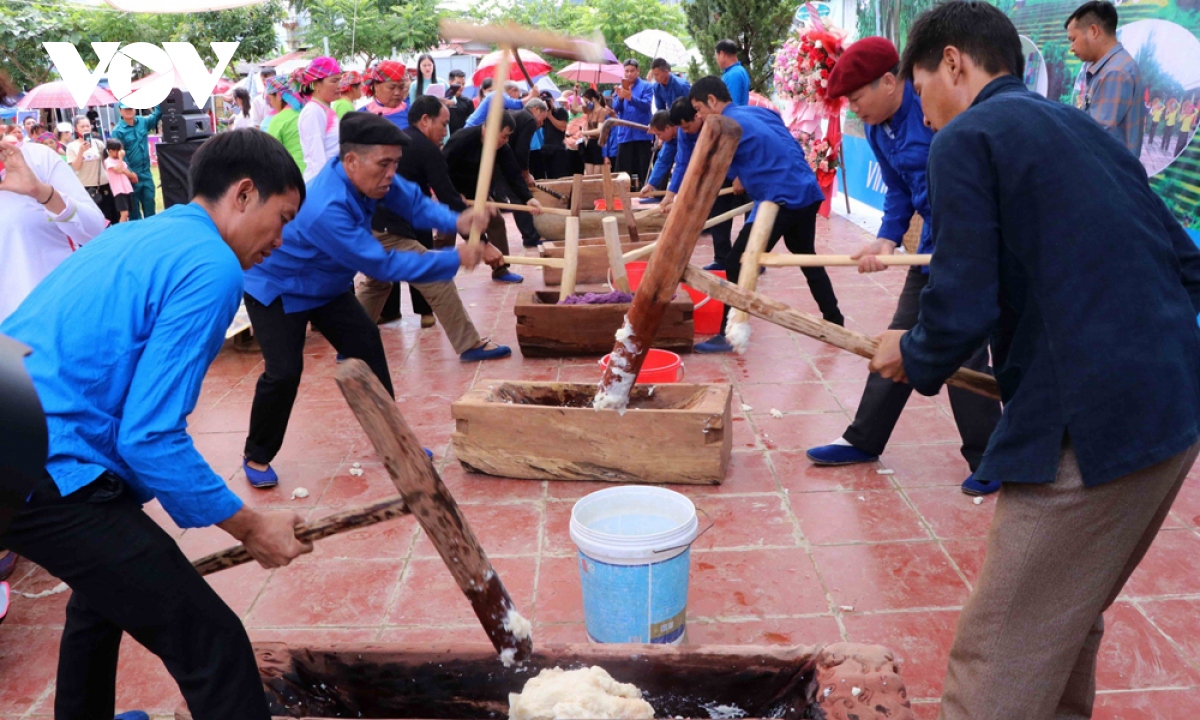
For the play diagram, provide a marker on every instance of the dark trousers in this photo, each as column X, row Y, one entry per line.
column 798, row 228
column 633, row 157
column 529, row 232
column 722, row 235
column 128, row 576
column 281, row 336
column 141, row 202
column 420, row 304
column 884, row 400
column 537, row 164
column 558, row 162
column 1152, row 130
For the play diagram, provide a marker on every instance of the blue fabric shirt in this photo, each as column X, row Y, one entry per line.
column 610, row 147
column 738, row 81
column 118, row 368
column 538, row 141
column 1051, row 243
column 901, row 145
column 664, row 161
column 637, row 109
column 769, row 161
column 330, row 241
column 481, row 112
column 685, row 143
column 136, row 139
column 675, row 88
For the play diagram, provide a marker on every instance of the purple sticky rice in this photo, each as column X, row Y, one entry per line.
column 615, row 297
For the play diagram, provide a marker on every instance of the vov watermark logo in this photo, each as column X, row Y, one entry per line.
column 118, row 62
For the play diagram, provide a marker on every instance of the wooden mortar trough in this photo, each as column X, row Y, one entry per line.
column 467, row 681
column 591, row 224
column 593, row 260
column 593, row 190
column 549, row 431
column 547, row 329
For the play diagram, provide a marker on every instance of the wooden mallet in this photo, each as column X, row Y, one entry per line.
column 737, row 330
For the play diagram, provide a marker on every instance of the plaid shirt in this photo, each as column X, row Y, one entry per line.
column 1113, row 97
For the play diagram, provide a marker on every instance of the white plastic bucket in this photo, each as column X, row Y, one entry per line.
column 634, row 559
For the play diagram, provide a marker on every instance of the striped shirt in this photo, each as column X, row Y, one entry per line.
column 1113, row 96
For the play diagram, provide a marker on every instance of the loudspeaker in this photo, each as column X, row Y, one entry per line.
column 180, row 103
column 178, row 128
column 174, row 161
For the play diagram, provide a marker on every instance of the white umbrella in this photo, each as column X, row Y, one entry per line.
column 658, row 44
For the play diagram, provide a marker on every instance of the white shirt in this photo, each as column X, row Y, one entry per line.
column 319, row 146
column 32, row 241
column 241, row 121
column 259, row 107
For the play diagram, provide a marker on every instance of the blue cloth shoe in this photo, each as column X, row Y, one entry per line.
column 260, row 478
column 971, row 486
column 132, row 715
column 482, row 353
column 509, row 277
column 428, row 452
column 8, row 562
column 713, row 266
column 715, row 344
column 839, row 455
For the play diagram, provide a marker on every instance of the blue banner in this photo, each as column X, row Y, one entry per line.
column 862, row 172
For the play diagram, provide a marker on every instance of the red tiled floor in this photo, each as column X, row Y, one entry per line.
column 841, row 517
column 920, row 640
column 754, row 583
column 890, row 576
column 795, row 549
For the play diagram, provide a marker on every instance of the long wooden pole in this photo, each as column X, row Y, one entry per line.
column 435, row 509
column 627, row 208
column 491, row 137
column 647, row 250
column 345, row 521
column 522, row 208
column 761, row 306
column 616, row 262
column 539, row 261
column 773, row 260
column 709, row 165
column 570, row 259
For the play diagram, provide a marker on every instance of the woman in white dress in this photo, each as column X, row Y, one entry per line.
column 318, row 121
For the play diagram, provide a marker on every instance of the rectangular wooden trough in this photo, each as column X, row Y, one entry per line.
column 437, row 681
column 593, row 258
column 549, row 431
column 547, row 329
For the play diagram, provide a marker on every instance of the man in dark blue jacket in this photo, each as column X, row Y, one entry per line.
column 668, row 87
column 632, row 101
column 891, row 111
column 1051, row 242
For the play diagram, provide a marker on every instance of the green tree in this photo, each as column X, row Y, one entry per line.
column 22, row 30
column 619, row 19
column 759, row 27
column 375, row 29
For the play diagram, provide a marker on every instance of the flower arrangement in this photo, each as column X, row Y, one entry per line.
column 803, row 64
column 821, row 156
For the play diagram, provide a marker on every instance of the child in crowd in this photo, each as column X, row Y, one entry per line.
column 120, row 177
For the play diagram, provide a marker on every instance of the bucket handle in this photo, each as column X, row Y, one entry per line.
column 711, row 523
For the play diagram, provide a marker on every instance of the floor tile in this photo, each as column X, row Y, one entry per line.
column 502, row 529
column 1134, row 654
column 926, row 465
column 890, row 576
column 741, row 522
column 559, row 593
column 798, row 474
column 952, row 514
column 429, row 595
column 1179, row 620
column 800, row 432
column 475, row 488
column 870, row 515
column 920, row 425
column 811, row 397
column 332, row 592
column 1147, row 705
column 1169, row 568
column 754, row 583
column 28, row 661
column 143, row 683
column 968, row 555
column 769, row 631
column 920, row 642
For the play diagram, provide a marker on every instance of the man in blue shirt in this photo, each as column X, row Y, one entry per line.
column 632, row 101
column 510, row 94
column 134, row 134
column 733, row 73
column 311, row 277
column 118, row 370
column 1050, row 242
column 769, row 166
column 683, row 116
column 891, row 112
column 668, row 87
column 667, row 134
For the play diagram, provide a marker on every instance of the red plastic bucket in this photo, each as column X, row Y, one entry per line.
column 707, row 312
column 660, row 367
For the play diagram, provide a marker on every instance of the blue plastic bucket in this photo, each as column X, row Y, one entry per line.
column 634, row 559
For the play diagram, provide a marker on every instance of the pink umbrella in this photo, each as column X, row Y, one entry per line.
column 56, row 95
column 534, row 65
column 597, row 74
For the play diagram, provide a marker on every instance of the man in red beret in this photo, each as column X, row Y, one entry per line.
column 866, row 75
